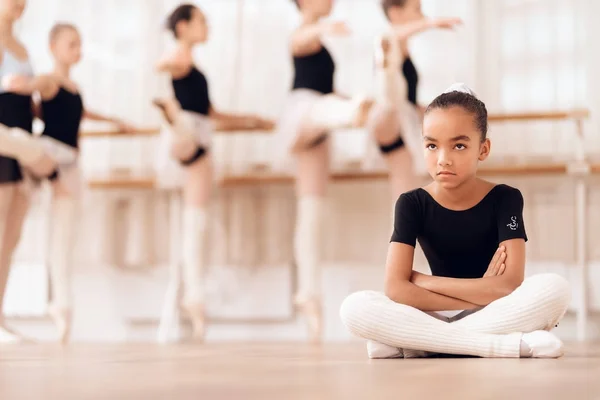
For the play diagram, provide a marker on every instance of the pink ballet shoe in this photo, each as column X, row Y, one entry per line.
column 10, row 337
column 312, row 311
column 196, row 314
column 382, row 54
column 62, row 318
column 363, row 112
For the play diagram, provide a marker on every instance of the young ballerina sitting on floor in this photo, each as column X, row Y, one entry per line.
column 461, row 222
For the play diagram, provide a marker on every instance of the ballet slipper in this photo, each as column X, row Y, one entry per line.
column 313, row 312
column 382, row 53
column 8, row 336
column 362, row 113
column 196, row 314
column 62, row 318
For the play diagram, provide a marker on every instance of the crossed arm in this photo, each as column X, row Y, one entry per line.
column 432, row 293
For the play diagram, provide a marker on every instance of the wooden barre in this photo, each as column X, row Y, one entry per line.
column 113, row 133
column 575, row 114
column 348, row 176
column 148, row 181
column 156, row 131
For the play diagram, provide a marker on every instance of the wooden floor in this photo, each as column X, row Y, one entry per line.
column 284, row 371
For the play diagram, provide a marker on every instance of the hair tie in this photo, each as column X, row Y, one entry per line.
column 460, row 87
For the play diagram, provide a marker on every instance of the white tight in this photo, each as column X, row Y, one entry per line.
column 197, row 192
column 494, row 331
column 14, row 202
column 62, row 239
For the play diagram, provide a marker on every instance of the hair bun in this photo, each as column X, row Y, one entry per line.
column 460, row 87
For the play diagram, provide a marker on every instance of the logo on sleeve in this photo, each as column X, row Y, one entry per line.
column 513, row 225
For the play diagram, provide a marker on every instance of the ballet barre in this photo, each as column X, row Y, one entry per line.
column 576, row 114
column 117, row 133
column 145, row 132
column 148, row 181
column 573, row 114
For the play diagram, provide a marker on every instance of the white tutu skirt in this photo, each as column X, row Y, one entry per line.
column 170, row 171
column 295, row 110
column 67, row 158
column 411, row 132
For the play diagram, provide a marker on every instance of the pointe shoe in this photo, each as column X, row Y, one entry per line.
column 312, row 311
column 362, row 114
column 382, row 53
column 196, row 315
column 62, row 318
column 8, row 336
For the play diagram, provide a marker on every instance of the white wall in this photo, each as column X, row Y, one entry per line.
column 249, row 71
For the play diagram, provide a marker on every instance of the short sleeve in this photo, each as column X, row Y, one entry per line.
column 406, row 220
column 510, row 216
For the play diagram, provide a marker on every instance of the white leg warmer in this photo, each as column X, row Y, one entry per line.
column 380, row 350
column 307, row 247
column 61, row 250
column 371, row 315
column 195, row 223
column 20, row 145
column 494, row 331
column 538, row 304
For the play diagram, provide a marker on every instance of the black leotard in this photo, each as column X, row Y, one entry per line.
column 192, row 92
column 62, row 117
column 412, row 79
column 15, row 112
column 315, row 71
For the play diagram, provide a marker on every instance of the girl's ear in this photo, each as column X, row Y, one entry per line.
column 484, row 149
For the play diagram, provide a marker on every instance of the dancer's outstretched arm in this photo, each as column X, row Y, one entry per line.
column 306, row 40
column 225, row 122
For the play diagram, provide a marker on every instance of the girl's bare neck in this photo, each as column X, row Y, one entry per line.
column 309, row 18
column 6, row 30
column 62, row 71
column 464, row 196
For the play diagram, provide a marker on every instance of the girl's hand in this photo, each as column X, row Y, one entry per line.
column 445, row 23
column 497, row 265
column 15, row 83
column 125, row 127
column 337, row 29
column 258, row 123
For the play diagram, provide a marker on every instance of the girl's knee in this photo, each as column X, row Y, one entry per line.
column 384, row 123
column 358, row 307
column 557, row 287
column 557, row 283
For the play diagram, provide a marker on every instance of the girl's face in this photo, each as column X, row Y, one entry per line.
column 411, row 11
column 452, row 146
column 66, row 46
column 196, row 29
column 12, row 9
column 320, row 8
